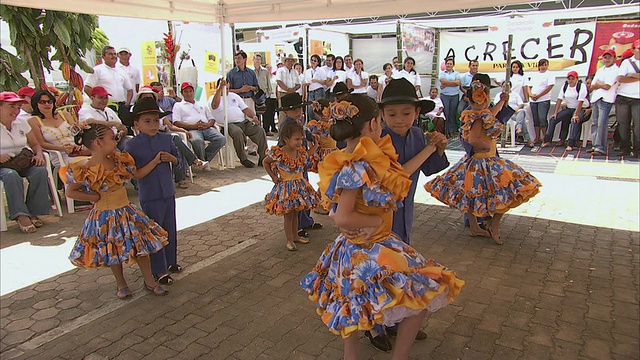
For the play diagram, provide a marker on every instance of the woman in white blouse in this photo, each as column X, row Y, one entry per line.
column 14, row 136
column 409, row 72
column 358, row 78
column 339, row 73
column 383, row 80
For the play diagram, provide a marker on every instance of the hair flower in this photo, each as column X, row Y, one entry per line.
column 343, row 110
column 479, row 96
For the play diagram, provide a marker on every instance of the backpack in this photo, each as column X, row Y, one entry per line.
column 566, row 84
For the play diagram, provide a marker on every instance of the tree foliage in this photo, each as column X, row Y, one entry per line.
column 37, row 32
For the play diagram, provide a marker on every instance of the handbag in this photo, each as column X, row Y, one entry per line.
column 21, row 162
column 259, row 98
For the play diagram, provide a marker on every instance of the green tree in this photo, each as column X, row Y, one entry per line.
column 11, row 69
column 36, row 32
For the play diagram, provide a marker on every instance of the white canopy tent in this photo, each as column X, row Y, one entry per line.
column 243, row 11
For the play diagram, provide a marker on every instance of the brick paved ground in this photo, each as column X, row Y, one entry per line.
column 556, row 290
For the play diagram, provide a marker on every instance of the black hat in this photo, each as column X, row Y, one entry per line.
column 143, row 106
column 292, row 101
column 484, row 79
column 341, row 88
column 401, row 91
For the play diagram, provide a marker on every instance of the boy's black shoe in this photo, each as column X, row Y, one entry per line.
column 381, row 342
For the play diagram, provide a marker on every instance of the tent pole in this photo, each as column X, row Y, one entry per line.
column 230, row 160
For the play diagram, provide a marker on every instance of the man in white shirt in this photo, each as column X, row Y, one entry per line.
column 133, row 73
column 199, row 121
column 240, row 127
column 628, row 102
column 25, row 93
column 603, row 96
column 372, row 89
column 331, row 75
column 288, row 81
column 113, row 79
column 99, row 113
column 396, row 66
column 574, row 94
column 348, row 63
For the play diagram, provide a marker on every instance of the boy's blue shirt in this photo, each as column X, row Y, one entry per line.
column 407, row 147
column 158, row 184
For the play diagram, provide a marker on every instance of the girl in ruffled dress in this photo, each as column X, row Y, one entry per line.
column 483, row 184
column 291, row 192
column 115, row 230
column 367, row 275
column 321, row 128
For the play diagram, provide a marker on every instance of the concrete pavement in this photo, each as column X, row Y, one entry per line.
column 564, row 285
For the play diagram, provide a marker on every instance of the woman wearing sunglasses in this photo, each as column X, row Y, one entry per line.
column 53, row 127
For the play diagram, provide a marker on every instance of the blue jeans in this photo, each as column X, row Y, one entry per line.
column 540, row 111
column 37, row 202
column 450, row 103
column 575, row 128
column 564, row 117
column 215, row 139
column 628, row 110
column 314, row 95
column 600, row 125
column 519, row 118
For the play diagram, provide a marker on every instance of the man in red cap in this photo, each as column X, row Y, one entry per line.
column 628, row 103
column 99, row 113
column 25, row 93
column 603, row 95
column 199, row 121
column 574, row 95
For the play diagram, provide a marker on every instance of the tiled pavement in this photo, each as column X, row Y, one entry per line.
column 557, row 290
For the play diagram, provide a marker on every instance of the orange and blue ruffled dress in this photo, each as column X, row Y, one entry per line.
column 484, row 184
column 326, row 143
column 359, row 283
column 293, row 192
column 115, row 230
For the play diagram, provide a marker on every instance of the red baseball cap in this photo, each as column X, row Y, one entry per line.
column 636, row 44
column 10, row 96
column 186, row 85
column 610, row 52
column 26, row 91
column 99, row 91
column 573, row 73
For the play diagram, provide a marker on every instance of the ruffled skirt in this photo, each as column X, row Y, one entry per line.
column 484, row 187
column 291, row 195
column 111, row 237
column 356, row 286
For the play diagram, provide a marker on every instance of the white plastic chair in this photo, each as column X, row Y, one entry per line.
column 511, row 130
column 52, row 187
column 185, row 140
column 586, row 132
column 70, row 203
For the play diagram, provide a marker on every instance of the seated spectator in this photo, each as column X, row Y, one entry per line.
column 515, row 103
column 574, row 93
column 239, row 125
column 15, row 136
column 25, row 94
column 437, row 114
column 53, row 127
column 199, row 121
column 99, row 113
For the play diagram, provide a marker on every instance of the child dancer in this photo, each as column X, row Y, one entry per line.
column 115, row 230
column 292, row 106
column 156, row 191
column 291, row 192
column 369, row 276
column 321, row 129
column 483, row 184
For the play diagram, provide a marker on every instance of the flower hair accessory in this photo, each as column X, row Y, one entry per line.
column 316, row 106
column 478, row 94
column 79, row 128
column 343, row 111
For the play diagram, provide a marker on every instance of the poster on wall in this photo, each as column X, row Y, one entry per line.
column 567, row 47
column 613, row 35
column 419, row 43
column 162, row 64
column 210, row 88
column 149, row 70
column 317, row 48
column 211, row 62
